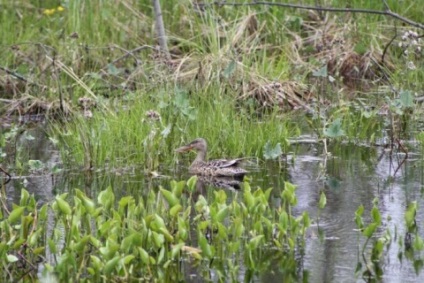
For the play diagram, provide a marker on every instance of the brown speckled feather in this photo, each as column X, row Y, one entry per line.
column 220, row 167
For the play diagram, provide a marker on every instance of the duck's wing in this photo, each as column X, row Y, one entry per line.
column 224, row 163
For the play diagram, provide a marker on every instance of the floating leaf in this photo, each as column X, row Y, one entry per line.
column 271, row 152
column 335, row 129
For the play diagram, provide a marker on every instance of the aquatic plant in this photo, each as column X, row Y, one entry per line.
column 77, row 238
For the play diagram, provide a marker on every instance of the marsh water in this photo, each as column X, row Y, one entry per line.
column 350, row 176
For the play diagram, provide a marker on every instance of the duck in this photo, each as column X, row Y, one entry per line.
column 218, row 168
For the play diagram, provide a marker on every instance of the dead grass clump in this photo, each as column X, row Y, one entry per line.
column 332, row 43
column 357, row 71
column 29, row 105
column 10, row 87
column 283, row 94
column 232, row 66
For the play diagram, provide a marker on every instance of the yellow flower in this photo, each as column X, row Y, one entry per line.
column 49, row 12
column 60, row 9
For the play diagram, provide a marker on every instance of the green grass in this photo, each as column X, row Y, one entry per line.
column 222, row 53
column 130, row 137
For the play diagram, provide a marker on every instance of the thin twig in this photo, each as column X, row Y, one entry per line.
column 388, row 45
column 387, row 12
column 404, row 150
column 9, row 177
column 12, row 73
column 128, row 53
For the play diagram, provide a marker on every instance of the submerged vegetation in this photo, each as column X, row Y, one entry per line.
column 254, row 79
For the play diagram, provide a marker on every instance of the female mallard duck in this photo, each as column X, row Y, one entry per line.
column 220, row 167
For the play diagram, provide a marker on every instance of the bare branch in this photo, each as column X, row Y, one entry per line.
column 387, row 12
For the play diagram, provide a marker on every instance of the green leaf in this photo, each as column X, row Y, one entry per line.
column 321, row 72
column 126, row 260
column 161, row 256
column 111, row 265
column 35, row 165
column 358, row 217
column 254, row 242
column 16, row 214
column 222, row 214
column 335, row 129
column 176, row 250
column 144, row 255
column 248, row 199
column 175, row 210
column 52, row 246
column 406, row 98
column 166, row 233
column 376, row 216
column 410, row 214
column 158, row 239
column 205, row 247
column 96, row 262
column 191, row 183
column 106, row 198
column 112, row 70
column 230, row 69
column 271, row 152
column 88, row 203
column 322, row 200
column 63, row 206
column 24, row 197
column 12, row 258
column 369, row 230
column 170, row 197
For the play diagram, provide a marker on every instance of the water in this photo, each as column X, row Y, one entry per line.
column 351, row 176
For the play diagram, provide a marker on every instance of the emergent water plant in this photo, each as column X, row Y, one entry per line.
column 79, row 239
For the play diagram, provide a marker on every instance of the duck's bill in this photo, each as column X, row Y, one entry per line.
column 184, row 148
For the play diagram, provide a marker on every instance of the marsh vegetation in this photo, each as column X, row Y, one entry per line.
column 324, row 105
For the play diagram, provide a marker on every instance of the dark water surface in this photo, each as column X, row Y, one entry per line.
column 350, row 176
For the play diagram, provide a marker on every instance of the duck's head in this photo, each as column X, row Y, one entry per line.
column 198, row 144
